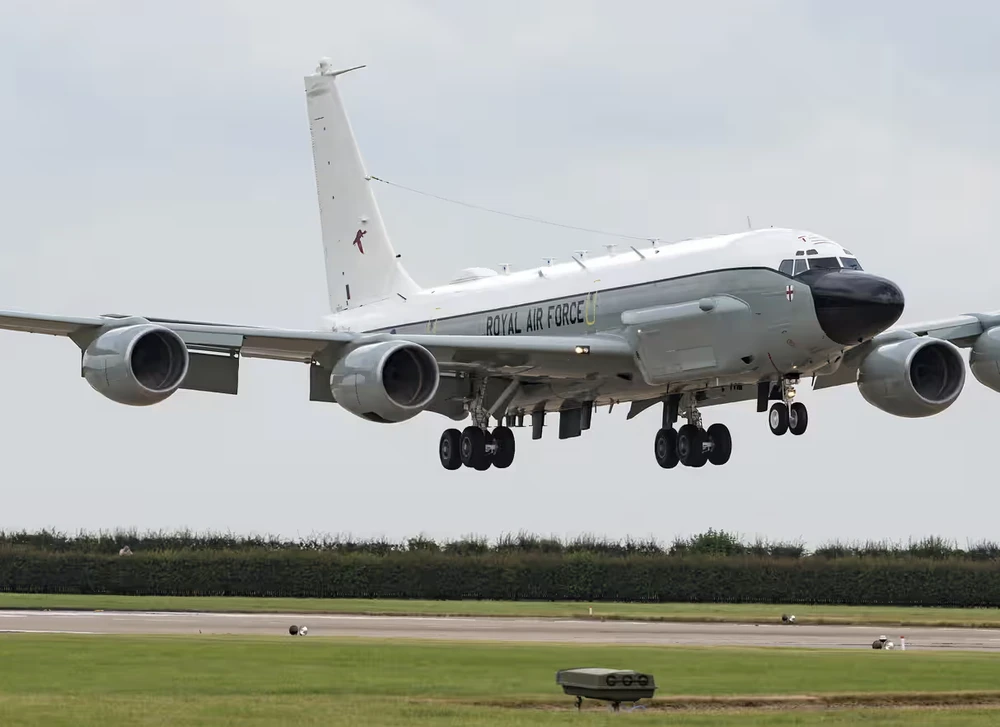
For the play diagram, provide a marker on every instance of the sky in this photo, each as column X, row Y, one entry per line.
column 155, row 159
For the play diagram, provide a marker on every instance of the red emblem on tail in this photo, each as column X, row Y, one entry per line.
column 357, row 240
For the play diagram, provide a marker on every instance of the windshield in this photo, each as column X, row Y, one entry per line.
column 823, row 263
column 800, row 264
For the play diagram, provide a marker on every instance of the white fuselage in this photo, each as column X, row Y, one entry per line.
column 756, row 248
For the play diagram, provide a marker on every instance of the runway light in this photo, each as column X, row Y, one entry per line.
column 583, row 349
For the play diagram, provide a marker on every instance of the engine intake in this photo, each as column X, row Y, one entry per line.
column 137, row 365
column 915, row 377
column 386, row 382
column 985, row 359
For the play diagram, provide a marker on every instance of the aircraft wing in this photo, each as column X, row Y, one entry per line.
column 524, row 355
column 961, row 330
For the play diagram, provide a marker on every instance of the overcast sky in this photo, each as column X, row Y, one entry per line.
column 155, row 159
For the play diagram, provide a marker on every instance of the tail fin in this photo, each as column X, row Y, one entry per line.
column 361, row 264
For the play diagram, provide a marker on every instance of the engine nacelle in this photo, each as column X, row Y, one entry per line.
column 915, row 377
column 386, row 382
column 985, row 359
column 137, row 365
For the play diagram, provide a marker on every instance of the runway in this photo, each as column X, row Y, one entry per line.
column 496, row 629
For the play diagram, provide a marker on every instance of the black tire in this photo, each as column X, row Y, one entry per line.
column 450, row 449
column 504, row 438
column 722, row 444
column 689, row 446
column 473, row 447
column 665, row 448
column 777, row 419
column 798, row 419
column 487, row 457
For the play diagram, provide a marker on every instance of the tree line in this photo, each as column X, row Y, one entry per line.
column 712, row 542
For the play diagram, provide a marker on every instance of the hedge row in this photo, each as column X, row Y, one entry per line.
column 545, row 577
column 712, row 542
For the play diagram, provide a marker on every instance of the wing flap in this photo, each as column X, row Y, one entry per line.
column 213, row 373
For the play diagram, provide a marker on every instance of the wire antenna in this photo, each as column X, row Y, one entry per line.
column 526, row 218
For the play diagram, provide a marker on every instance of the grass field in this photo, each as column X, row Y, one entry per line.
column 869, row 615
column 185, row 681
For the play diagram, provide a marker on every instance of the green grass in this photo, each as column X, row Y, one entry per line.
column 99, row 680
column 321, row 711
column 760, row 613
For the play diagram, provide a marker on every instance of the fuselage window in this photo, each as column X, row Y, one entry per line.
column 786, row 267
column 851, row 263
column 800, row 266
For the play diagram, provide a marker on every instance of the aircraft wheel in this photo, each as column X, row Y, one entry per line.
column 665, row 448
column 504, row 439
column 778, row 418
column 798, row 418
column 473, row 447
column 690, row 449
column 722, row 444
column 486, row 455
column 450, row 449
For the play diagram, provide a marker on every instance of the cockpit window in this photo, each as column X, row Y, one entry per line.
column 800, row 265
column 826, row 263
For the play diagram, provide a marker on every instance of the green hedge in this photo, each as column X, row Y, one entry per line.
column 518, row 576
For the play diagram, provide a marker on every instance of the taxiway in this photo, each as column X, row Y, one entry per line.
column 496, row 629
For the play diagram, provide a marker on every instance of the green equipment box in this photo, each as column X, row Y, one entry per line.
column 608, row 685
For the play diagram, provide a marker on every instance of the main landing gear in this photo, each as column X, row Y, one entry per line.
column 476, row 446
column 692, row 445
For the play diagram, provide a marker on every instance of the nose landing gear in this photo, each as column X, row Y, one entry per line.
column 787, row 416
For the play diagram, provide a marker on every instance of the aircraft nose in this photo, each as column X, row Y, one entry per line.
column 854, row 306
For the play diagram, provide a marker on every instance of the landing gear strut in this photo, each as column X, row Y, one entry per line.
column 786, row 416
column 692, row 445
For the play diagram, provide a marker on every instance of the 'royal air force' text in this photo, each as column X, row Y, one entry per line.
column 539, row 318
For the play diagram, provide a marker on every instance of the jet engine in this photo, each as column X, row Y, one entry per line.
column 386, row 382
column 915, row 377
column 138, row 365
column 985, row 359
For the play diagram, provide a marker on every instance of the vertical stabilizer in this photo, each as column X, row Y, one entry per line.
column 361, row 265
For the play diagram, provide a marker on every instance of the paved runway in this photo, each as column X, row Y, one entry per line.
column 495, row 629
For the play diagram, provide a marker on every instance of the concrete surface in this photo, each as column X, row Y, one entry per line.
column 495, row 629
